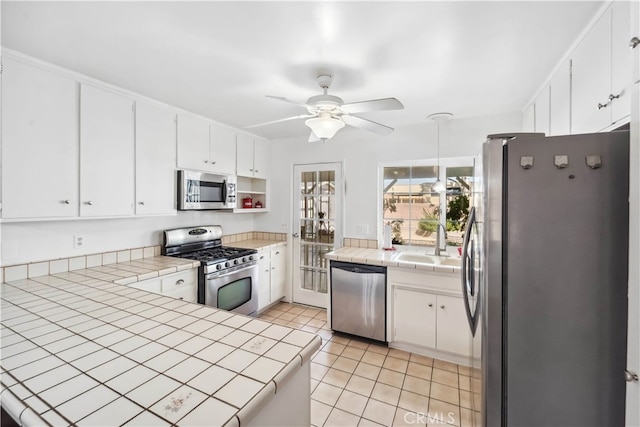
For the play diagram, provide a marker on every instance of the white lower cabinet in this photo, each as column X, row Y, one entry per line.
column 428, row 316
column 271, row 276
column 182, row 285
column 414, row 317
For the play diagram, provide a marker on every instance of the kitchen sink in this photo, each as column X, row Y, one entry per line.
column 455, row 262
column 414, row 257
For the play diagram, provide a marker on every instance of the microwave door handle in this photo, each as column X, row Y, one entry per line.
column 224, row 191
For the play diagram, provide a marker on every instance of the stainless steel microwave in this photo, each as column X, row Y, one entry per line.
column 205, row 191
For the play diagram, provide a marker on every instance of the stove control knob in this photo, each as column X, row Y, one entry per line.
column 235, row 261
column 251, row 258
column 218, row 267
column 227, row 264
column 244, row 259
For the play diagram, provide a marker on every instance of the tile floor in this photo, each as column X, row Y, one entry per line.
column 357, row 383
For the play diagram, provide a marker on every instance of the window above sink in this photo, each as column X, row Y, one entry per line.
column 415, row 212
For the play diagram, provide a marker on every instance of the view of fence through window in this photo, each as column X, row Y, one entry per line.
column 414, row 210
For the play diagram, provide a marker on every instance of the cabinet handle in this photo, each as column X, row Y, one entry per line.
column 262, row 257
column 66, row 202
column 250, row 170
column 612, row 96
column 601, row 106
column 181, row 298
column 206, row 161
column 430, row 305
column 213, row 163
column 256, row 171
column 442, row 306
column 180, row 282
column 273, row 268
column 141, row 203
column 267, row 270
column 88, row 203
column 277, row 252
column 634, row 42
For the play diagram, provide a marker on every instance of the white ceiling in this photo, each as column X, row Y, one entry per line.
column 219, row 59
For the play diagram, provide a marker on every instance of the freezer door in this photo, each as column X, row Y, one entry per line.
column 565, row 289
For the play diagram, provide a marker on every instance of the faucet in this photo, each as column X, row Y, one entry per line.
column 439, row 251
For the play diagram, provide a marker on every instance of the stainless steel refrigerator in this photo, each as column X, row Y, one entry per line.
column 545, row 280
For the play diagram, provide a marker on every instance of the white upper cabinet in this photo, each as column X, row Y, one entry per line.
column 261, row 158
column 39, row 143
column 252, row 157
column 222, row 149
column 205, row 146
column 621, row 55
column 106, row 154
column 560, row 101
column 155, row 160
column 542, row 112
column 600, row 73
column 193, row 142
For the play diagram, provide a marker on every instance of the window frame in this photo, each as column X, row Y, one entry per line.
column 442, row 164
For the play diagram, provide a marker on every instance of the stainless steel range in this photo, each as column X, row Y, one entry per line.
column 227, row 277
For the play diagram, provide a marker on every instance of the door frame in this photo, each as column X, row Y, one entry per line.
column 294, row 253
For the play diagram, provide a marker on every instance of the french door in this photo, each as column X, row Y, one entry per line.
column 317, row 225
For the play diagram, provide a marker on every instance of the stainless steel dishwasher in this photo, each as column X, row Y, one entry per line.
column 359, row 299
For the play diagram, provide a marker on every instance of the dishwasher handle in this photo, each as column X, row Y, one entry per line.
column 358, row 268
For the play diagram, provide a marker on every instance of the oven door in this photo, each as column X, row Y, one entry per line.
column 233, row 290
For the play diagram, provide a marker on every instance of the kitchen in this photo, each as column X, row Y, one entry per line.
column 361, row 152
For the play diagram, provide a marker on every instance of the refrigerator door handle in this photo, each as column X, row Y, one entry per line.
column 467, row 276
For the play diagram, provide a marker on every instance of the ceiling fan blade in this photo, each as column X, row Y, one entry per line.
column 365, row 124
column 281, row 98
column 372, row 105
column 303, row 116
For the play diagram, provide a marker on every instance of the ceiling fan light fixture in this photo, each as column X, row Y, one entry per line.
column 324, row 127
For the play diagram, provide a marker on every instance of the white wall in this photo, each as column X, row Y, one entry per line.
column 38, row 241
column 361, row 151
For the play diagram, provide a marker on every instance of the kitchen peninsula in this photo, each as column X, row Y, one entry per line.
column 82, row 350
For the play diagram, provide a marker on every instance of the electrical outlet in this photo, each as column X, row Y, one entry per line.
column 78, row 241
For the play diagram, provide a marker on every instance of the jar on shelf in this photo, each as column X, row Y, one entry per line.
column 258, row 205
column 247, row 202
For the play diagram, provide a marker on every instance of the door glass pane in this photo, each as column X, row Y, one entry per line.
column 307, row 182
column 308, row 231
column 326, row 207
column 326, row 182
column 307, row 207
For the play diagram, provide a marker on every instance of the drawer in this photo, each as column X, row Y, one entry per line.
column 184, row 293
column 150, row 285
column 178, row 281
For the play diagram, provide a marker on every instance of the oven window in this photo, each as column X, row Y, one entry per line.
column 234, row 294
column 211, row 191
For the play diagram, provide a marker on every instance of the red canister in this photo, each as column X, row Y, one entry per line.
column 247, row 202
column 258, row 204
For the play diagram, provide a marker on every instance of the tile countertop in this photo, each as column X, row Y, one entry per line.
column 80, row 349
column 387, row 258
column 260, row 245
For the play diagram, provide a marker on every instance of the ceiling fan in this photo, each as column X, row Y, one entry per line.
column 327, row 114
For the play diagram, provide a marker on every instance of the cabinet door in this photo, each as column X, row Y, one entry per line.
column 621, row 55
column 542, row 112
column 560, row 101
column 261, row 158
column 106, row 153
column 453, row 333
column 39, row 143
column 244, row 160
column 223, row 149
column 155, row 160
column 264, row 280
column 278, row 273
column 150, row 285
column 591, row 79
column 193, row 143
column 414, row 317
